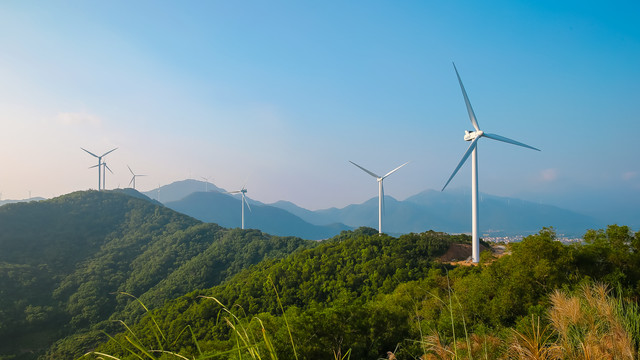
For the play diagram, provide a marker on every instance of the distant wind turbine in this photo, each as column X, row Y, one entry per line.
column 104, row 173
column 474, row 136
column 133, row 178
column 99, row 162
column 243, row 201
column 380, row 190
column 206, row 183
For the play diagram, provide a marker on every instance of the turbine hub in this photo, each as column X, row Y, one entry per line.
column 470, row 135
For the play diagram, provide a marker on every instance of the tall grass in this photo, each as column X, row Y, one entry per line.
column 473, row 346
column 588, row 324
column 537, row 343
column 247, row 344
column 591, row 325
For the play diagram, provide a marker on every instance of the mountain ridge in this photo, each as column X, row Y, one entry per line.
column 448, row 211
column 225, row 210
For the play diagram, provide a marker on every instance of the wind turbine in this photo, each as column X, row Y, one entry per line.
column 133, row 178
column 104, row 173
column 206, row 183
column 99, row 162
column 243, row 201
column 474, row 136
column 380, row 190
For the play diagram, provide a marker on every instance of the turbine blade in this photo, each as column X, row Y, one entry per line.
column 90, row 153
column 107, row 167
column 91, row 167
column 246, row 202
column 234, row 192
column 365, row 170
column 131, row 182
column 472, row 115
column 112, row 150
column 464, row 158
column 507, row 140
column 131, row 171
column 394, row 170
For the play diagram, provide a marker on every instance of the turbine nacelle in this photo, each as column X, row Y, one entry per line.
column 471, row 135
column 243, row 201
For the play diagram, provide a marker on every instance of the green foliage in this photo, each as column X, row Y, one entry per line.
column 357, row 295
column 612, row 256
column 63, row 260
column 367, row 294
column 334, row 294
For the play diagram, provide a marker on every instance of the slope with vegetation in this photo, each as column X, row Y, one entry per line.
column 361, row 295
column 63, row 262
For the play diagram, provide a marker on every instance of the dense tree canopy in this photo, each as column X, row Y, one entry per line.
column 63, row 261
column 88, row 260
column 370, row 294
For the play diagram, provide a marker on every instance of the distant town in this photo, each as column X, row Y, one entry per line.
column 565, row 239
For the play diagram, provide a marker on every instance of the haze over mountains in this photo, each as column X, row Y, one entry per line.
column 447, row 211
column 224, row 209
column 9, row 201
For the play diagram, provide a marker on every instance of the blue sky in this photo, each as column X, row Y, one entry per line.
column 281, row 94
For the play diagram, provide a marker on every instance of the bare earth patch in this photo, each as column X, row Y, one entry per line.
column 460, row 254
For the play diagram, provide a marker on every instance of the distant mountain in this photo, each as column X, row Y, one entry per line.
column 451, row 212
column 448, row 211
column 502, row 215
column 134, row 193
column 225, row 210
column 615, row 205
column 3, row 202
column 180, row 189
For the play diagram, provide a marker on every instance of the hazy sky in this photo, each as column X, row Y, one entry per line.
column 281, row 94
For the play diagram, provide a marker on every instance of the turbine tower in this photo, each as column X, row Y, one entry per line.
column 380, row 190
column 243, row 201
column 133, row 178
column 99, row 162
column 206, row 183
column 474, row 136
column 104, row 173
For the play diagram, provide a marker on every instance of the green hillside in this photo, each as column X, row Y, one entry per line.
column 363, row 295
column 71, row 269
column 63, row 262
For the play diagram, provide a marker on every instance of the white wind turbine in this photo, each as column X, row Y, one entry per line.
column 474, row 136
column 243, row 201
column 99, row 162
column 104, row 173
column 133, row 178
column 380, row 189
column 206, row 183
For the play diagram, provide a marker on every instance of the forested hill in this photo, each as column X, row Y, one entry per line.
column 360, row 295
column 62, row 262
